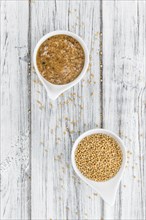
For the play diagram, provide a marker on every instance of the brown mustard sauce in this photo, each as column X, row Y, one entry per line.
column 60, row 59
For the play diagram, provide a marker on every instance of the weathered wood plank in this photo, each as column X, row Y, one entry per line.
column 124, row 43
column 57, row 193
column 15, row 104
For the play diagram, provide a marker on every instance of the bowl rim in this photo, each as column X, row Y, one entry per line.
column 76, row 37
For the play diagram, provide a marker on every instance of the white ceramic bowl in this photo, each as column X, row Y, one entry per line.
column 107, row 189
column 55, row 90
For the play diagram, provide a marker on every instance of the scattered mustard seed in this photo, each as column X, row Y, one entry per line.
column 95, row 194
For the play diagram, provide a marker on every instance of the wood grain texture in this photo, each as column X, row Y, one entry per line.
column 15, row 104
column 37, row 134
column 57, row 191
column 124, row 95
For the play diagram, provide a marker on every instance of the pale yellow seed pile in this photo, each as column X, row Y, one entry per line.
column 98, row 157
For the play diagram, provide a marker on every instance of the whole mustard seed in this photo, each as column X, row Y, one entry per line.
column 98, row 157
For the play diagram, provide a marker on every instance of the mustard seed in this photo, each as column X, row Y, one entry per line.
column 60, row 59
column 98, row 157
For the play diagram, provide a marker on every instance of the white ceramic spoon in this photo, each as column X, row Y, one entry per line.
column 55, row 90
column 107, row 190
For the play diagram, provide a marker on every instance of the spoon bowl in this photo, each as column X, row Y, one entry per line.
column 107, row 189
column 53, row 90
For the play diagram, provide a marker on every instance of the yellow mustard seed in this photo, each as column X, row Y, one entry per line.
column 98, row 157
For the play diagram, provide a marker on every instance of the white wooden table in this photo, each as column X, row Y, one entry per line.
column 37, row 134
